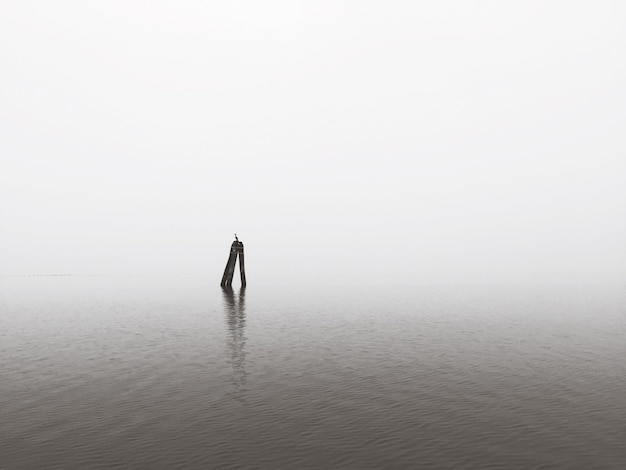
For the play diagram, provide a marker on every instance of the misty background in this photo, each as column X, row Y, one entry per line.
column 342, row 141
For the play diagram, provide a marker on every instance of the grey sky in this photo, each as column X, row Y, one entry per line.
column 340, row 140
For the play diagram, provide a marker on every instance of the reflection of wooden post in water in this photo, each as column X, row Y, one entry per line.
column 235, row 309
column 236, row 249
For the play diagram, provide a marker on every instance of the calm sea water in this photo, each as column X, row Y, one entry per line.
column 121, row 373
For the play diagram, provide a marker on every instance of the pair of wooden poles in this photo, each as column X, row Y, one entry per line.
column 236, row 249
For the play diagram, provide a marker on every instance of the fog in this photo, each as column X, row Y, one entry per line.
column 342, row 141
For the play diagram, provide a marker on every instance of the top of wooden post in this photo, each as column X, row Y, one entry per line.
column 237, row 246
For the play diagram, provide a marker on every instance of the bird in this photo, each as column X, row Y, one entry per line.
column 236, row 239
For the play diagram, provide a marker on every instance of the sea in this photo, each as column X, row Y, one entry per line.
column 106, row 372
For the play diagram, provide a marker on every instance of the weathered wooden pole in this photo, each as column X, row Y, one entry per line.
column 242, row 269
column 227, row 278
column 236, row 249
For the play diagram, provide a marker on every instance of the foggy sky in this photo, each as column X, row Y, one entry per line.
column 342, row 141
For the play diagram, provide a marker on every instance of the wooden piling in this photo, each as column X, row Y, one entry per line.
column 236, row 249
column 242, row 269
column 227, row 278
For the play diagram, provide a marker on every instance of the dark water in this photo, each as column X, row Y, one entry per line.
column 97, row 373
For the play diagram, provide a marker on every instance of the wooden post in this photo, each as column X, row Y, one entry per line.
column 227, row 278
column 242, row 269
column 236, row 249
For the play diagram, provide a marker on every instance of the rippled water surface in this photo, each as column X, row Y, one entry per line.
column 100, row 373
